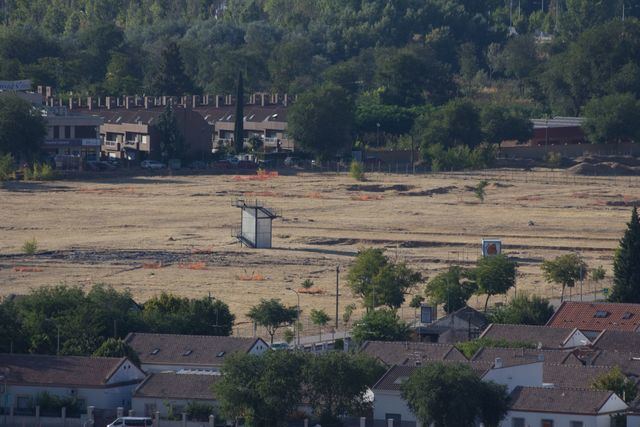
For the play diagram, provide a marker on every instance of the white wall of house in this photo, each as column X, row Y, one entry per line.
column 158, row 367
column 126, row 372
column 576, row 339
column 529, row 375
column 259, row 347
column 534, row 419
column 390, row 402
column 633, row 420
column 144, row 406
column 101, row 398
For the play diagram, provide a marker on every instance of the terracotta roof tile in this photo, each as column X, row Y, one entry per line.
column 518, row 356
column 618, row 340
column 187, row 349
column 172, row 385
column 397, row 374
column 75, row 371
column 407, row 353
column 596, row 316
column 573, row 376
column 558, row 400
column 550, row 338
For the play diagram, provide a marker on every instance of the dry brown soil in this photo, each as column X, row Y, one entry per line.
column 155, row 233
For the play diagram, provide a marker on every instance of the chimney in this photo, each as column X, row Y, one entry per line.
column 263, row 99
column 276, row 98
column 498, row 363
column 89, row 103
column 107, row 102
column 40, row 90
column 49, row 91
column 205, row 100
column 146, row 102
column 285, row 100
column 194, row 101
column 118, row 101
column 218, row 101
column 99, row 102
column 70, row 103
column 164, row 100
column 126, row 102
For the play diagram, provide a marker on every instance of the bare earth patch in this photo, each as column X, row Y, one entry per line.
column 151, row 234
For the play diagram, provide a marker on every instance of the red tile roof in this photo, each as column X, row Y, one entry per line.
column 559, row 400
column 408, row 353
column 70, row 371
column 172, row 385
column 548, row 338
column 582, row 315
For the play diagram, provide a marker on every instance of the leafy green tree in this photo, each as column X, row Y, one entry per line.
column 520, row 58
column 500, row 124
column 309, row 115
column 171, row 138
column 348, row 312
column 411, row 75
column 416, row 303
column 626, row 264
column 524, row 309
column 380, row 325
column 272, row 314
column 456, row 397
column 264, row 389
column 22, row 128
column 565, row 270
column 494, row 275
column 320, row 318
column 238, row 129
column 480, row 191
column 613, row 118
column 115, row 347
column 170, row 314
column 170, row 78
column 598, row 273
column 378, row 281
column 455, row 123
column 12, row 337
column 451, row 289
column 337, row 382
column 617, row 382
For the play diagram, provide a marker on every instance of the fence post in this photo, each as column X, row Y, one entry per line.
column 156, row 419
column 64, row 416
column 90, row 414
column 184, row 419
column 306, row 422
column 119, row 412
column 390, row 422
column 38, row 415
column 132, row 412
column 363, row 422
column 212, row 421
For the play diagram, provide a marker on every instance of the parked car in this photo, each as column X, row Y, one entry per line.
column 131, row 421
column 152, row 164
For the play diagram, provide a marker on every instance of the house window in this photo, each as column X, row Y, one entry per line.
column 67, row 132
column 576, row 424
column 627, row 315
column 517, row 422
column 601, row 314
column 546, row 423
column 56, row 132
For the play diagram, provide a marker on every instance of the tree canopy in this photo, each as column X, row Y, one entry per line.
column 22, row 128
column 494, row 275
column 444, row 395
column 626, row 264
column 564, row 269
column 380, row 325
column 451, row 288
column 272, row 314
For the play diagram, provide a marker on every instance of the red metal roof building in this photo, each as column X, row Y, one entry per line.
column 596, row 316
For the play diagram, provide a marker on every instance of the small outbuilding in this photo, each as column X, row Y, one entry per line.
column 255, row 225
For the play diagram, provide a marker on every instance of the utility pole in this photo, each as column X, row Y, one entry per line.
column 337, row 292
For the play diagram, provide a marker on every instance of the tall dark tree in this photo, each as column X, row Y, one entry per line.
column 22, row 128
column 238, row 129
column 170, row 78
column 626, row 264
column 171, row 139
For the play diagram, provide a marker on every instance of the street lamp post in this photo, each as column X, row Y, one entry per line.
column 298, row 325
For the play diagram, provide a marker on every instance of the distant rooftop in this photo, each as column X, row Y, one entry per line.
column 557, row 122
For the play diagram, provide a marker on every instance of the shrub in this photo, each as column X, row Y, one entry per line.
column 461, row 157
column 197, row 411
column 51, row 404
column 308, row 284
column 7, row 169
column 469, row 348
column 30, row 247
column 356, row 171
column 39, row 172
column 553, row 159
column 480, row 190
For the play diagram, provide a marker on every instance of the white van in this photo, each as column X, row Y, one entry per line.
column 131, row 421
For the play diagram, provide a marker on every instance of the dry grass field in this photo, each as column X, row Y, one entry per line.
column 150, row 234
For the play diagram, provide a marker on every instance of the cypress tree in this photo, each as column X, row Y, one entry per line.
column 171, row 79
column 238, row 132
column 626, row 264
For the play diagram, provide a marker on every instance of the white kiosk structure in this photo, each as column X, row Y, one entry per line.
column 255, row 224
